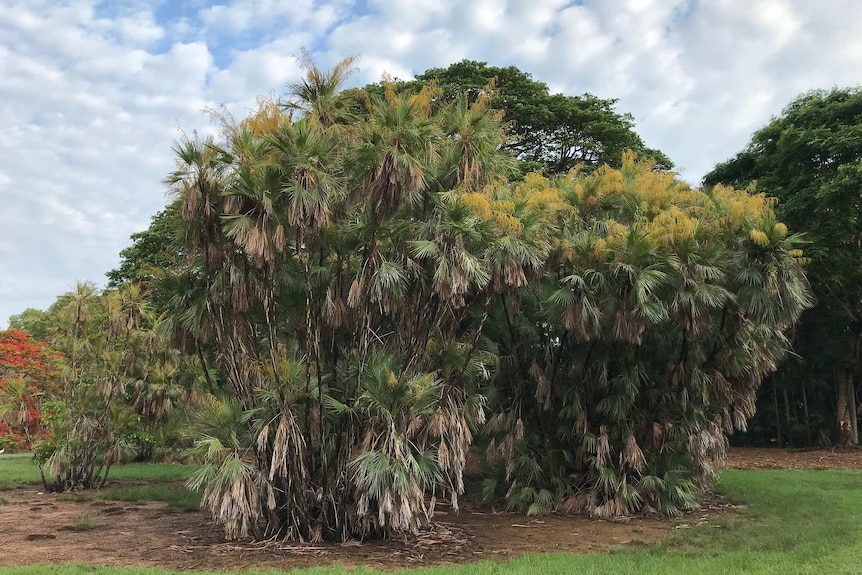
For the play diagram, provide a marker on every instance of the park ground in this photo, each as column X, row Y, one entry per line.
column 145, row 518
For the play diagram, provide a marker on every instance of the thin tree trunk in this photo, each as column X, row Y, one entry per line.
column 203, row 363
column 845, row 430
column 854, row 418
column 851, row 395
column 479, row 331
column 807, row 418
column 787, row 417
column 36, row 458
column 524, row 371
column 777, row 412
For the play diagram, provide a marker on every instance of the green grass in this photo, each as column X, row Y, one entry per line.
column 86, row 523
column 795, row 523
column 19, row 469
column 151, row 472
column 177, row 498
column 138, row 482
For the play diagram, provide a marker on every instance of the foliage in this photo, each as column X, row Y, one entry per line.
column 31, row 321
column 335, row 255
column 96, row 336
column 116, row 375
column 552, row 132
column 659, row 310
column 28, row 378
column 141, row 262
column 368, row 280
column 808, row 158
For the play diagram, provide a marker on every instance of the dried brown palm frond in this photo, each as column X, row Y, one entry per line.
column 356, row 294
column 632, row 457
column 628, row 326
column 603, row 448
column 543, row 386
column 234, row 501
column 335, row 311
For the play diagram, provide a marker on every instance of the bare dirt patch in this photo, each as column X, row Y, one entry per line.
column 772, row 458
column 40, row 528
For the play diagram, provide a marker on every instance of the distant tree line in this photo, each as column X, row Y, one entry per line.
column 810, row 159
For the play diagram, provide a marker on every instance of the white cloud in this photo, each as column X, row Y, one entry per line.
column 243, row 15
column 253, row 72
column 138, row 29
column 89, row 119
column 92, row 92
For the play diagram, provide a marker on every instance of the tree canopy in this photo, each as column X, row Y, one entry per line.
column 148, row 254
column 28, row 373
column 810, row 158
column 378, row 294
column 552, row 132
column 368, row 289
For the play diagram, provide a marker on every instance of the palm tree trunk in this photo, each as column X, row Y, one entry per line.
column 203, row 362
column 512, row 337
column 487, row 308
column 844, row 386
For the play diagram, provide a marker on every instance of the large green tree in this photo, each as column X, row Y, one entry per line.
column 151, row 251
column 810, row 158
column 552, row 132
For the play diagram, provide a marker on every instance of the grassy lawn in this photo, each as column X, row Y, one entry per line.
column 796, row 522
column 18, row 469
column 124, row 482
column 177, row 498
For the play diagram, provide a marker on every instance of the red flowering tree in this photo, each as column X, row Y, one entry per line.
column 29, row 371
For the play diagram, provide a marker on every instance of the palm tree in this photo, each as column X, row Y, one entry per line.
column 318, row 96
column 473, row 155
column 395, row 466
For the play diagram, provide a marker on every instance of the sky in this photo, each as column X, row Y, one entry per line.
column 93, row 94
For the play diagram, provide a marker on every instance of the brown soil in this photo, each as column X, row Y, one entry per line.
column 40, row 528
column 771, row 458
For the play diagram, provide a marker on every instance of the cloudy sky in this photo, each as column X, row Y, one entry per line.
column 93, row 93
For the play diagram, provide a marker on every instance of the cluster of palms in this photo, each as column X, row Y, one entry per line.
column 374, row 291
column 114, row 381
column 624, row 367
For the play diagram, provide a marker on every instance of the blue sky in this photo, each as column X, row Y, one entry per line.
column 94, row 93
